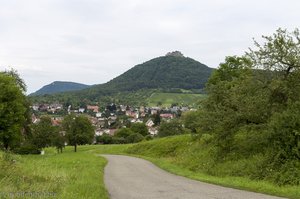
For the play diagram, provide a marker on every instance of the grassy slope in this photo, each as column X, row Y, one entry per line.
column 169, row 98
column 68, row 175
column 183, row 156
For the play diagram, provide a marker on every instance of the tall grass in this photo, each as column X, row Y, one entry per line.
column 67, row 175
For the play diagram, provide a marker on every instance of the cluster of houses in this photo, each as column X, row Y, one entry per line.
column 50, row 108
column 113, row 116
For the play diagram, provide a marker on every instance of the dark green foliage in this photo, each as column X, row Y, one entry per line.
column 129, row 135
column 104, row 139
column 123, row 132
column 18, row 80
column 12, row 109
column 139, row 128
column 192, row 121
column 43, row 133
column 285, row 133
column 252, row 109
column 27, row 148
column 119, row 140
column 148, row 137
column 58, row 141
column 134, row 138
column 156, row 119
column 79, row 130
column 58, row 86
column 173, row 127
column 163, row 72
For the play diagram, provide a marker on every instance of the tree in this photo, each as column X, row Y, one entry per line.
column 104, row 139
column 18, row 80
column 43, row 133
column 285, row 134
column 79, row 130
column 127, row 135
column 173, row 127
column 156, row 119
column 280, row 56
column 59, row 140
column 134, row 138
column 253, row 106
column 12, row 111
column 22, row 86
column 123, row 132
column 192, row 121
column 140, row 128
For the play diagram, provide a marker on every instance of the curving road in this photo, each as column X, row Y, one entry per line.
column 134, row 178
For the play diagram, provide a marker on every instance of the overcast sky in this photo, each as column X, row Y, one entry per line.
column 93, row 41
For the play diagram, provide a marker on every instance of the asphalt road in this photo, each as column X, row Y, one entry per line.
column 134, row 178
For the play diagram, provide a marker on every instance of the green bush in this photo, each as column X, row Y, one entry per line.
column 173, row 127
column 119, row 140
column 104, row 139
column 134, row 138
column 289, row 173
column 28, row 148
column 148, row 137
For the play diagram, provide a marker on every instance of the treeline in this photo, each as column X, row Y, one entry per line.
column 19, row 135
column 134, row 133
column 138, row 98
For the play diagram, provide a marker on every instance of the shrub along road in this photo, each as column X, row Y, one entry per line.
column 134, row 178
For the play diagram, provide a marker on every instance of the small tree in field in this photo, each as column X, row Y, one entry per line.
column 79, row 130
column 43, row 132
column 58, row 141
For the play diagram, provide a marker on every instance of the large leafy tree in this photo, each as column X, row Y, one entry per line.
column 43, row 133
column 253, row 106
column 245, row 92
column 79, row 130
column 12, row 109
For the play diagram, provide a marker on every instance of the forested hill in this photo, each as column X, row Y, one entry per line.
column 173, row 71
column 164, row 72
column 59, row 86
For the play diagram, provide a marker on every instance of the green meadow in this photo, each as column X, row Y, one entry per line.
column 80, row 175
column 167, row 99
column 68, row 175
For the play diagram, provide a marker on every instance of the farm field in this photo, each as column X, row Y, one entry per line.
column 167, row 99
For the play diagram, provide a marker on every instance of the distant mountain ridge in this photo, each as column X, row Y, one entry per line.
column 165, row 72
column 58, row 87
column 172, row 71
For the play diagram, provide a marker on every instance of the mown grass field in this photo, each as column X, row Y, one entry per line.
column 167, row 99
column 80, row 175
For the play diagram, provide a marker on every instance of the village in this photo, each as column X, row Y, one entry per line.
column 107, row 120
